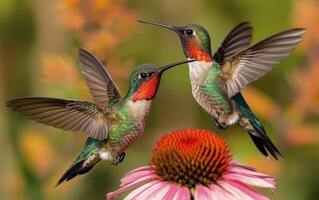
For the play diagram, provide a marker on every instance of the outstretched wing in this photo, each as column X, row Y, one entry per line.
column 71, row 115
column 252, row 63
column 237, row 40
column 100, row 83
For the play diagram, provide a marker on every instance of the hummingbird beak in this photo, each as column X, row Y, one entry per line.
column 166, row 67
column 170, row 27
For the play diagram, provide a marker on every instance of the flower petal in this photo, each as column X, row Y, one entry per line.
column 136, row 194
column 143, row 168
column 135, row 176
column 155, row 192
column 240, row 191
column 182, row 193
column 171, row 192
column 245, row 170
column 163, row 191
column 266, row 182
column 249, row 176
column 234, row 164
column 203, row 193
column 244, row 188
column 129, row 186
column 220, row 193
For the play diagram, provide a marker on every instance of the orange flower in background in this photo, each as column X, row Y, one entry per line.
column 70, row 15
column 307, row 92
column 302, row 135
column 100, row 26
column 306, row 14
column 58, row 69
column 295, row 125
column 39, row 151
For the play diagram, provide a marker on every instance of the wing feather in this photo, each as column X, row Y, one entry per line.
column 255, row 61
column 238, row 39
column 71, row 115
column 99, row 81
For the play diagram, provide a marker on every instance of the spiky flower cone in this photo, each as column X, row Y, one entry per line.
column 192, row 163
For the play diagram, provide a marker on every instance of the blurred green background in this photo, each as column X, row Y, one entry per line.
column 38, row 57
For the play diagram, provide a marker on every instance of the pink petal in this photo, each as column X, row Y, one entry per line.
column 244, row 188
column 136, row 194
column 143, row 168
column 244, row 170
column 155, row 192
column 234, row 164
column 240, row 191
column 220, row 193
column 182, row 193
column 203, row 193
column 161, row 193
column 255, row 181
column 135, row 176
column 248, row 176
column 171, row 192
column 129, row 186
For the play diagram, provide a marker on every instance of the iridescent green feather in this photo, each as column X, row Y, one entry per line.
column 124, row 126
column 212, row 87
column 120, row 130
column 92, row 146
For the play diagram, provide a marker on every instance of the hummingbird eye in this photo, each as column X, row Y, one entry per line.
column 189, row 32
column 142, row 75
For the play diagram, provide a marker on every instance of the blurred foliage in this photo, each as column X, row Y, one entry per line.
column 38, row 57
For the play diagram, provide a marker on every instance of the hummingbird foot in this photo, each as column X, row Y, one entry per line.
column 118, row 159
column 227, row 120
column 121, row 157
column 220, row 125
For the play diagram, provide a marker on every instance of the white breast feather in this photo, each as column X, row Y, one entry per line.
column 106, row 155
column 198, row 71
column 232, row 119
column 139, row 109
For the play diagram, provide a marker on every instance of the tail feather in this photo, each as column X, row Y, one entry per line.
column 262, row 141
column 255, row 129
column 85, row 161
column 259, row 144
column 72, row 172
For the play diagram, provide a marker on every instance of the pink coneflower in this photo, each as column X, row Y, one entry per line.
column 192, row 164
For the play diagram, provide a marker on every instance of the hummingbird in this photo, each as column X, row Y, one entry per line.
column 218, row 79
column 111, row 122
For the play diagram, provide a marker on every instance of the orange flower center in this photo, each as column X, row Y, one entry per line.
column 191, row 157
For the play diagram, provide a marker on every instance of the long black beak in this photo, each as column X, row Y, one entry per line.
column 166, row 67
column 170, row 27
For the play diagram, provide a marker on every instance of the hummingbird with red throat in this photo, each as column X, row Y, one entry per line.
column 218, row 79
column 112, row 122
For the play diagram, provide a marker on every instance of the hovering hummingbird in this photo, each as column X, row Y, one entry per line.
column 218, row 79
column 112, row 123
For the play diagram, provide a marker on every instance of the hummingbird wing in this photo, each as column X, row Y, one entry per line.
column 255, row 61
column 99, row 81
column 238, row 39
column 71, row 115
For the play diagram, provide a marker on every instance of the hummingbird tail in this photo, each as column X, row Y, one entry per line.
column 73, row 171
column 262, row 141
column 85, row 161
column 253, row 126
